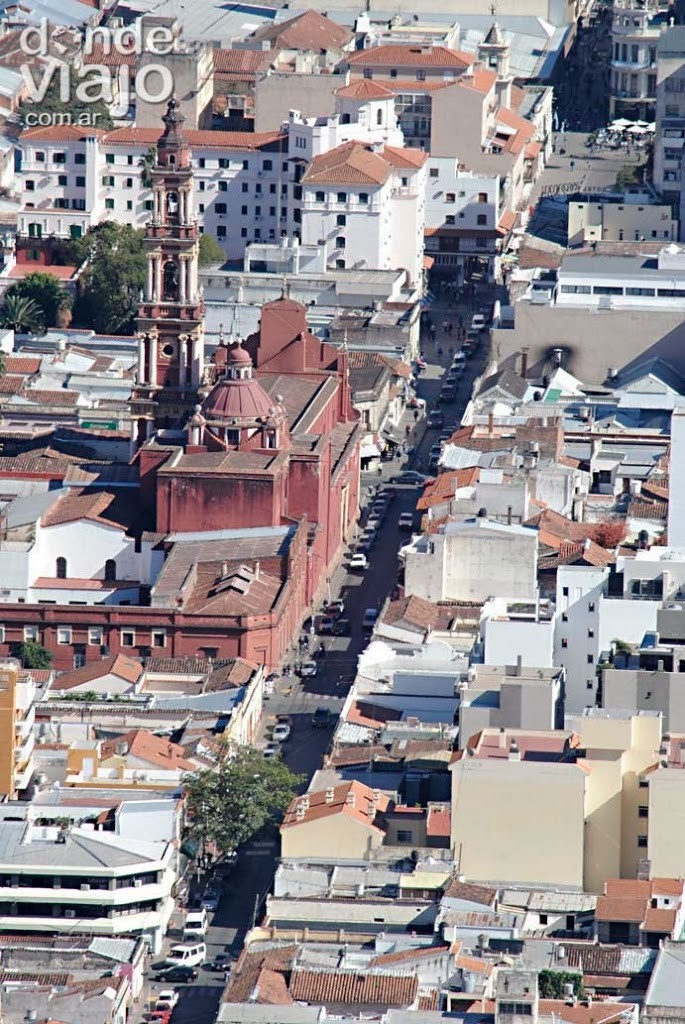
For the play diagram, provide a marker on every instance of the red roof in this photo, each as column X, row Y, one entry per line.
column 307, row 31
column 149, row 137
column 406, row 55
column 61, row 273
column 364, row 89
column 353, row 163
column 439, row 820
column 356, row 988
column 241, row 62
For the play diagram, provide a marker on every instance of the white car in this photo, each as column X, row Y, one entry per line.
column 406, row 520
column 166, row 999
column 281, row 732
column 308, row 669
column 477, row 322
column 358, row 562
column 272, row 750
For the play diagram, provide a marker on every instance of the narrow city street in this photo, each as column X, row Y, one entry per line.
column 245, row 891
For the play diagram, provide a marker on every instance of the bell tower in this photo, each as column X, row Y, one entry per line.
column 170, row 327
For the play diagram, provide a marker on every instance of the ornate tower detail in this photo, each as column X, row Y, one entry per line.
column 170, row 319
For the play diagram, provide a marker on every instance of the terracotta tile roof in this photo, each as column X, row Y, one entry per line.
column 410, row 85
column 364, row 89
column 189, row 666
column 113, row 59
column 553, row 524
column 407, row 55
column 507, row 221
column 630, row 900
column 349, row 164
column 53, row 583
column 408, row 956
column 491, row 743
column 580, row 552
column 474, row 965
column 200, row 139
column 362, row 753
column 430, row 1000
column 471, row 893
column 246, row 973
column 659, row 920
column 307, row 31
column 62, row 273
column 481, row 80
column 154, row 750
column 596, row 959
column 11, row 384
column 22, row 364
column 61, row 133
column 365, row 712
column 353, row 988
column 404, row 158
column 241, row 62
column 416, row 612
column 641, row 509
column 40, row 396
column 439, row 820
column 352, row 799
column 116, row 664
column 446, row 484
column 532, row 150
column 599, row 1012
column 78, row 505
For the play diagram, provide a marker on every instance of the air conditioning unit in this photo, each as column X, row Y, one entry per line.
column 69, row 912
column 85, row 887
column 137, row 882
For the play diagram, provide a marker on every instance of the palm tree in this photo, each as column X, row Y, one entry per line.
column 21, row 314
column 146, row 163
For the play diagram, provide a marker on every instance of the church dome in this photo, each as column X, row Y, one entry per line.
column 238, row 396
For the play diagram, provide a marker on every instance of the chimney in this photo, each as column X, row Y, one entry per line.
column 330, row 795
column 256, row 571
column 519, row 664
column 350, row 800
column 514, row 752
column 502, row 738
column 660, row 665
column 224, row 569
column 524, row 363
column 508, row 515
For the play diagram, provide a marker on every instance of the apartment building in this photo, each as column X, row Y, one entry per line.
column 654, row 282
column 584, row 785
column 626, row 218
column 635, row 31
column 247, row 186
column 670, row 114
column 17, row 715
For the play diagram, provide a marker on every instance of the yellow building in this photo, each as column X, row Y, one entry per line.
column 343, row 821
column 558, row 808
column 17, row 695
column 662, row 810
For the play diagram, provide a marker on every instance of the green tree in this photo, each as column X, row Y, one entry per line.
column 110, row 285
column 210, row 251
column 551, row 984
column 73, row 111
column 34, row 655
column 230, row 804
column 146, row 163
column 628, row 175
column 22, row 315
column 47, row 293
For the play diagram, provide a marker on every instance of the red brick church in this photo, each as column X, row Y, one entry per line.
column 254, row 490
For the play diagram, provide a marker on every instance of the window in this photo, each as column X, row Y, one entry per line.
column 59, row 158
column 404, row 835
column 482, row 218
column 272, row 189
column 158, row 638
column 109, row 158
column 80, row 158
column 564, row 616
column 244, row 187
column 543, row 918
column 223, row 186
column 128, row 183
column 320, row 197
column 420, row 75
column 147, row 205
column 221, row 231
column 449, row 219
column 40, row 157
column 342, row 197
column 340, row 242
column 272, row 211
column 128, row 638
column 564, row 591
column 62, row 179
column 589, row 684
column 110, row 569
column 108, row 180
column 243, row 232
column 450, row 197
column 220, row 207
column 642, row 842
column 31, row 634
column 482, row 197
column 257, row 233
column 95, row 636
column 267, row 165
column 591, row 606
column 516, row 1009
column 79, row 656
column 80, row 181
column 368, row 73
column 246, row 165
column 109, row 204
column 61, row 568
column 243, row 210
column 606, row 289
column 129, row 160
column 643, row 784
column 61, row 204
column 258, row 211
column 363, row 198
column 258, row 189
column 433, row 172
column 590, row 659
column 340, row 264
column 642, row 811
column 200, row 207
column 64, row 634
column 564, row 643
column 341, row 220
column 30, row 186
column 591, row 634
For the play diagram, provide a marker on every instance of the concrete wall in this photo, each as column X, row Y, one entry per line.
column 276, row 94
column 496, row 835
column 507, row 639
column 338, row 835
column 617, row 222
column 625, row 689
column 666, row 833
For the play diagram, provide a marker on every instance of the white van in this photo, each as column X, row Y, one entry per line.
column 195, row 924
column 191, row 955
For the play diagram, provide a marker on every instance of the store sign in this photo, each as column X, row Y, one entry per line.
column 565, row 188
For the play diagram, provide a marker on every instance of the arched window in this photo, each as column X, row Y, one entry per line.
column 110, row 569
column 61, row 568
column 170, row 282
column 379, row 117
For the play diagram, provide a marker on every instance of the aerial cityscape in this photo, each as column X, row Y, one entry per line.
column 342, row 536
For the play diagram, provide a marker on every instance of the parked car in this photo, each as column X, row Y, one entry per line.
column 411, row 476
column 358, row 562
column 336, row 608
column 177, row 974
column 322, row 718
column 369, row 620
column 436, row 419
column 308, row 669
column 373, row 522
column 272, row 750
column 166, row 1000
column 281, row 732
column 365, row 544
column 448, row 393
column 186, row 955
column 341, row 627
column 221, row 962
column 406, row 521
column 326, row 623
column 459, row 359
column 445, row 435
column 478, row 322
column 211, row 899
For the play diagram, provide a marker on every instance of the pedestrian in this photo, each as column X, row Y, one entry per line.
column 379, row 469
column 460, row 321
column 432, row 332
column 449, row 328
column 445, row 326
column 416, row 415
column 439, row 350
column 407, row 430
column 572, row 165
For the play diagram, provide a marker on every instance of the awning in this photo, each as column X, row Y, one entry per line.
column 394, row 438
column 369, row 451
